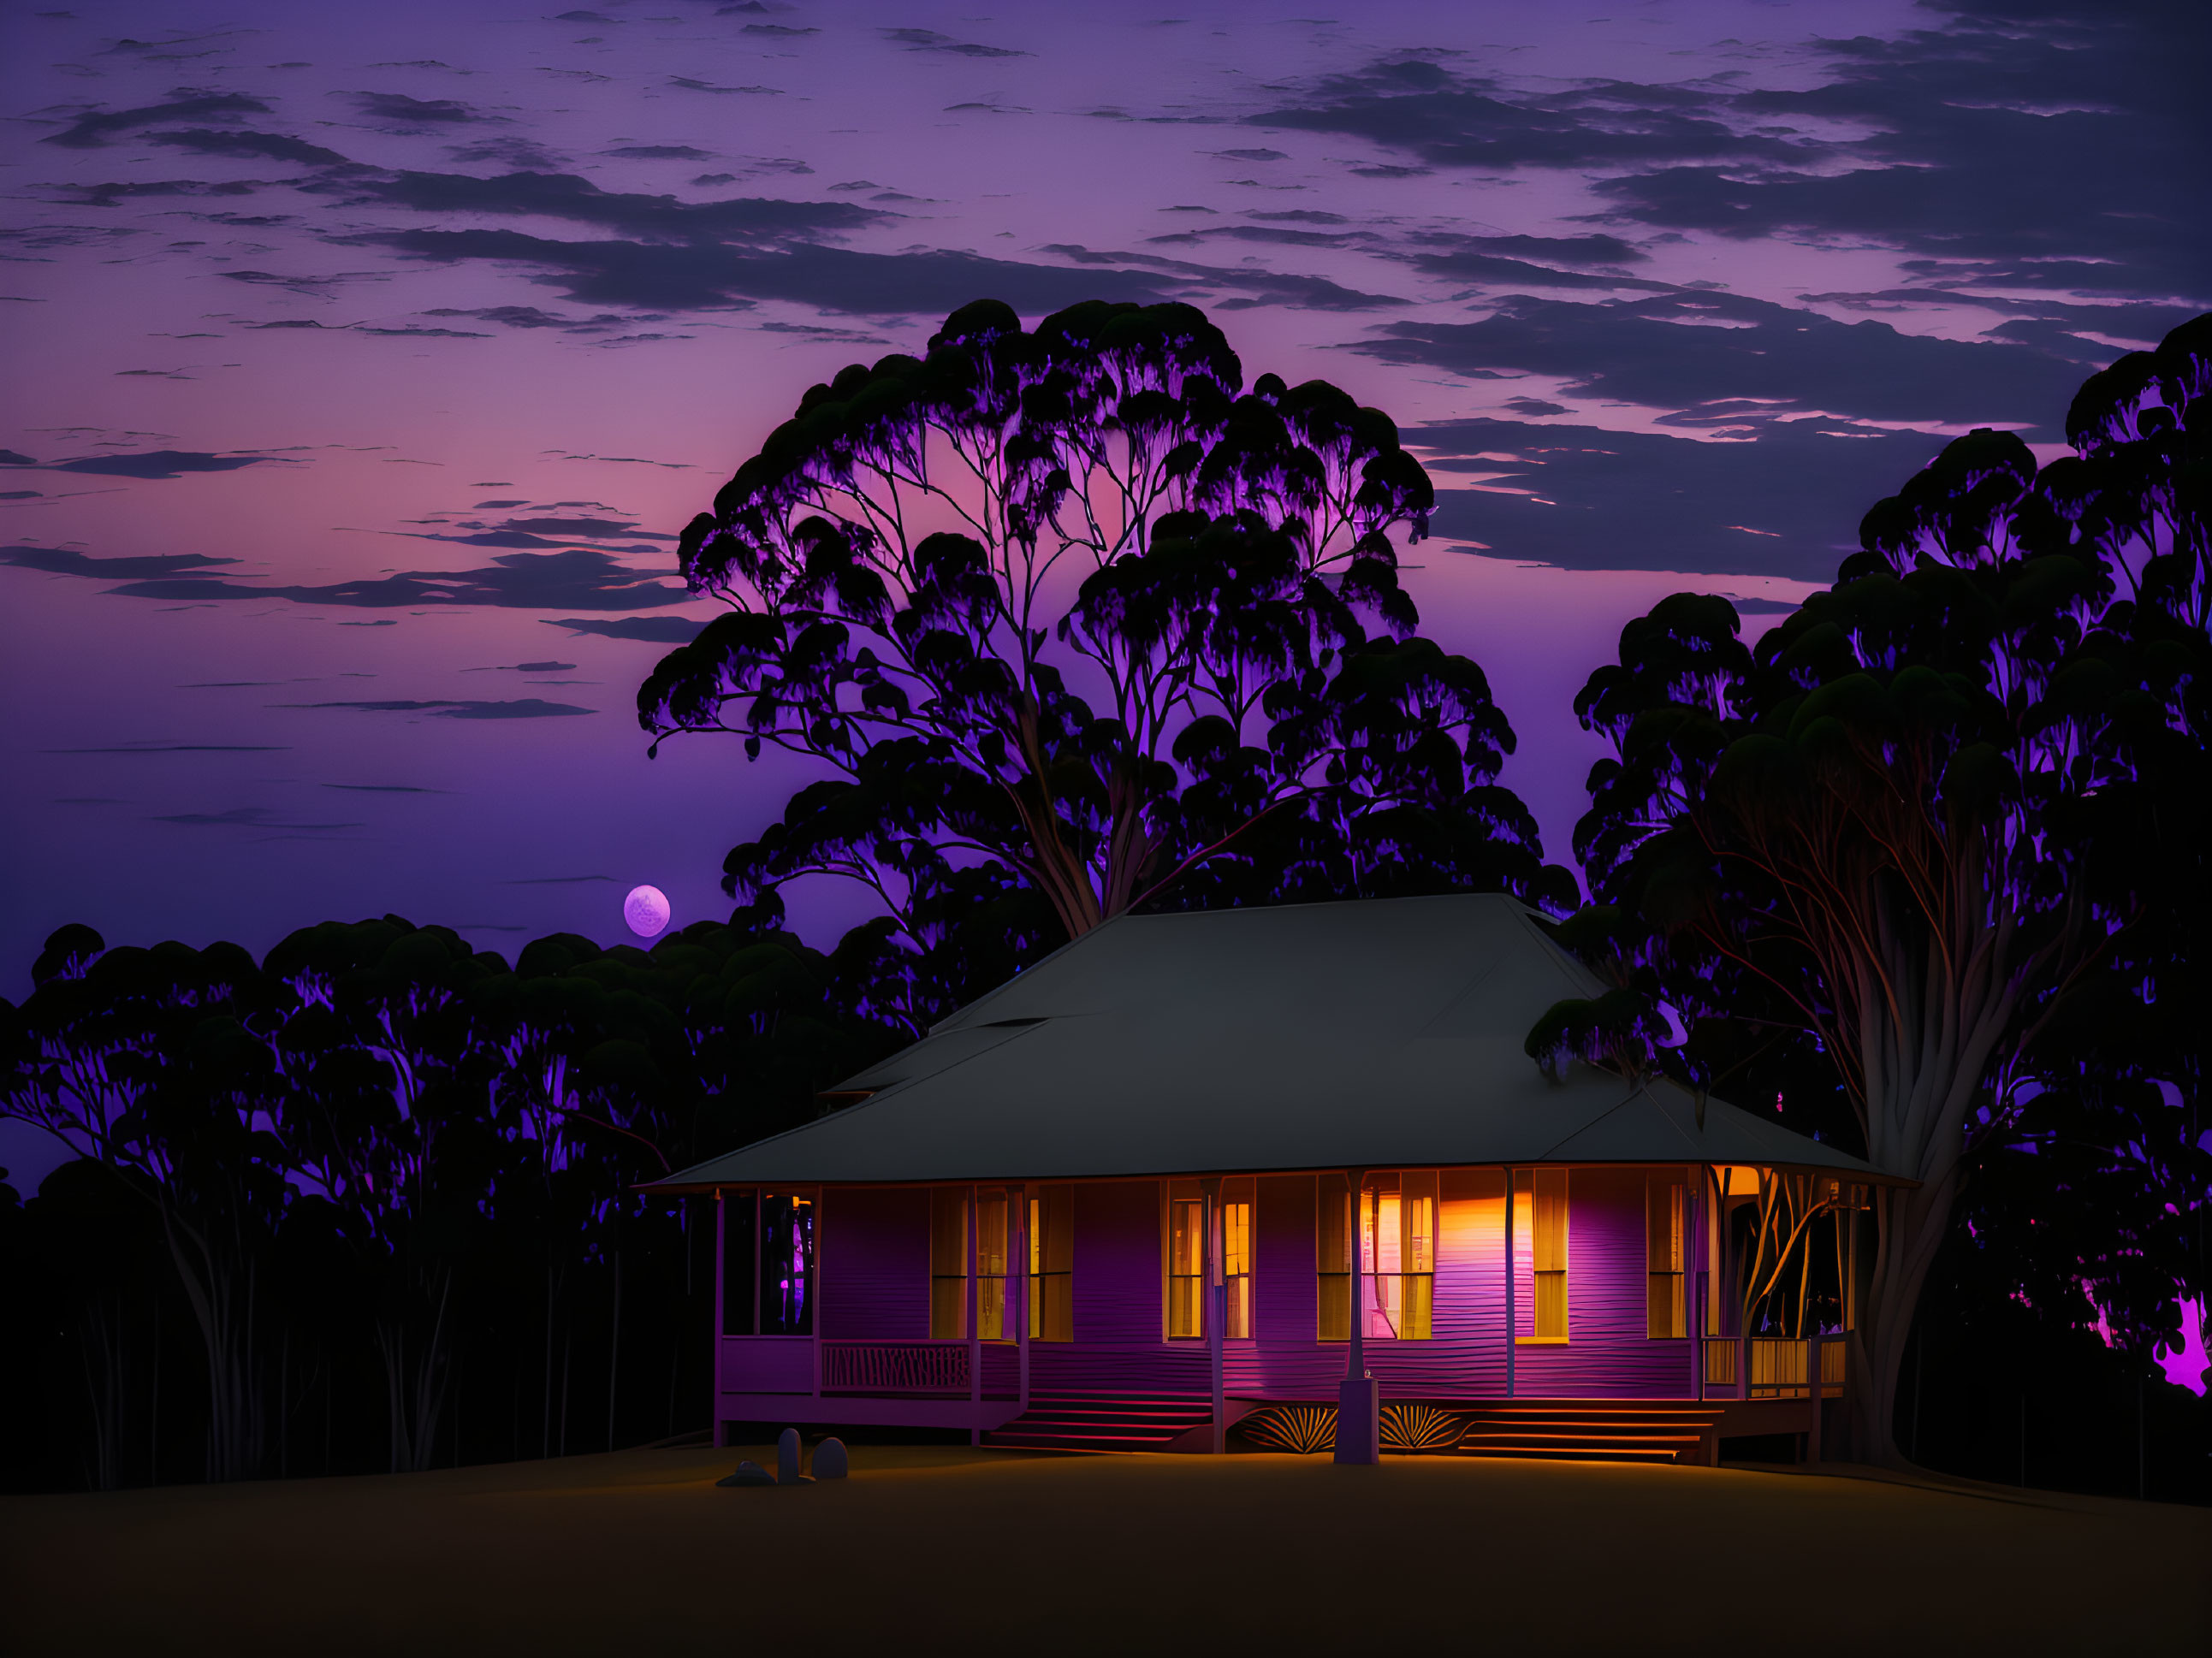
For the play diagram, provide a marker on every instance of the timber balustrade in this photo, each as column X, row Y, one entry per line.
column 1777, row 1365
column 909, row 1368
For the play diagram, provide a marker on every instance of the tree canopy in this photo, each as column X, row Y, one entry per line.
column 1074, row 621
column 1943, row 828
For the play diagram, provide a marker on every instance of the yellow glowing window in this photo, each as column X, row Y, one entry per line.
column 1539, row 1208
column 948, row 1262
column 1052, row 1260
column 1186, row 1266
column 991, row 1265
column 1398, row 1253
column 1666, row 1216
column 1333, row 1260
column 1236, row 1259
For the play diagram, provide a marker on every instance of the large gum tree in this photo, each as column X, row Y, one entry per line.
column 1942, row 826
column 1071, row 611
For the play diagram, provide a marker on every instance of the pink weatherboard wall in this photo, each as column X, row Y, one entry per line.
column 874, row 1269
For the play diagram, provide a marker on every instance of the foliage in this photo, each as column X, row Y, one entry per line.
column 378, row 1144
column 1072, row 617
column 1941, row 829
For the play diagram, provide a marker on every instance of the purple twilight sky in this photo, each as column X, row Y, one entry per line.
column 364, row 361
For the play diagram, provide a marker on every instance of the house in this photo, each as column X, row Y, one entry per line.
column 1195, row 1167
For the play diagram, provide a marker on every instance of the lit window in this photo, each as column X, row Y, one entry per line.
column 1186, row 1266
column 1052, row 1258
column 1398, row 1227
column 1666, row 1224
column 948, row 1262
column 1333, row 1260
column 786, row 1278
column 1540, row 1211
column 991, row 1265
column 1237, row 1259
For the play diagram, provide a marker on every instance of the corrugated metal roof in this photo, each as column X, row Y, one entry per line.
column 1383, row 1034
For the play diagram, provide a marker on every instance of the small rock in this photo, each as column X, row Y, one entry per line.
column 749, row 1473
column 829, row 1460
column 787, row 1458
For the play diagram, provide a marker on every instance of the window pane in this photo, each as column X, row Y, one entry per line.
column 1052, row 1219
column 1552, row 1304
column 1186, row 1266
column 1333, row 1296
column 1415, row 1320
column 1666, row 1215
column 1236, row 1325
column 1236, row 1239
column 991, row 1234
column 786, row 1276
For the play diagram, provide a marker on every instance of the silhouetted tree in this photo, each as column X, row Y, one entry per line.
column 1070, row 608
column 1926, row 826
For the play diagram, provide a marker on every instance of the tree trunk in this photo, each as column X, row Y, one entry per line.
column 614, row 1352
column 1911, row 1225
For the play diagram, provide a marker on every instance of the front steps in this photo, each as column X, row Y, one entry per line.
column 1102, row 1422
column 1555, row 1430
column 1586, row 1431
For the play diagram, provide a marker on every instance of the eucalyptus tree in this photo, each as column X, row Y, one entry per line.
column 138, row 1059
column 1072, row 605
column 1917, row 827
column 388, row 1121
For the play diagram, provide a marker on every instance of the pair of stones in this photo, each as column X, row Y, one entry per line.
column 829, row 1463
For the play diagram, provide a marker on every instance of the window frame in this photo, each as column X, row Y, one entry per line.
column 1667, row 1186
column 1051, row 1316
column 948, row 1290
column 1183, row 1293
column 1529, row 1179
column 1238, row 1306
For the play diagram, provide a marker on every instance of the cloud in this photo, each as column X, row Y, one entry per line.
column 416, row 113
column 2022, row 146
column 690, row 85
column 1713, row 355
column 1784, row 503
column 1261, row 287
column 384, row 788
column 244, row 817
column 925, row 40
column 561, row 881
column 157, row 464
column 1450, row 120
column 62, row 560
column 576, row 578
column 651, row 630
column 91, row 131
column 659, row 153
column 267, row 145
column 692, row 278
column 751, row 220
column 528, row 707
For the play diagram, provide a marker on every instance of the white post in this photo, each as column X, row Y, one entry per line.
column 1216, row 1310
column 1512, row 1274
column 974, row 1340
column 1020, row 1227
column 1357, row 1422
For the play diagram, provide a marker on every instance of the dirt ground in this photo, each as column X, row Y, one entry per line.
column 945, row 1549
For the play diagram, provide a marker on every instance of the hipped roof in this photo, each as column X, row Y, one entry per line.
column 1383, row 1034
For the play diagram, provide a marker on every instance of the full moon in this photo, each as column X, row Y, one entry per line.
column 646, row 909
